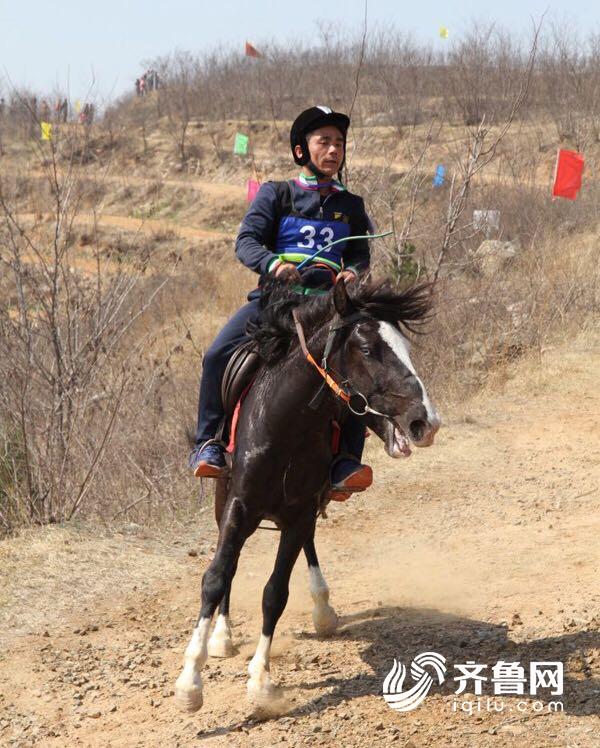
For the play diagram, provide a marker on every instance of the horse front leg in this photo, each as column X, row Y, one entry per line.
column 261, row 689
column 324, row 617
column 217, row 578
column 220, row 643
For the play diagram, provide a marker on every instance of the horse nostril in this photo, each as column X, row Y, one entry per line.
column 418, row 429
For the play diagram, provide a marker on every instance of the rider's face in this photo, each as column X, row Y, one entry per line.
column 326, row 148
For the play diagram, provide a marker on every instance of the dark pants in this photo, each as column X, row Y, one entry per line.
column 210, row 406
column 216, row 358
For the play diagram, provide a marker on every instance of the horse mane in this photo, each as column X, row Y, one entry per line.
column 275, row 334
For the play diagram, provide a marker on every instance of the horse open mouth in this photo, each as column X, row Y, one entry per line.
column 396, row 442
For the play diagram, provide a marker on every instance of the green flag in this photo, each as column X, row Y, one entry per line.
column 240, row 147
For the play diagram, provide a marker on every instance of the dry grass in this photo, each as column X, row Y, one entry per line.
column 482, row 324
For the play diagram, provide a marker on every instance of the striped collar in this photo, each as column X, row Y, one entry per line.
column 312, row 183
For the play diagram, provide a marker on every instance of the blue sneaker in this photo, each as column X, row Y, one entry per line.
column 208, row 461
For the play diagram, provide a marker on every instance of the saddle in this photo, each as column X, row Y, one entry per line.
column 240, row 371
column 237, row 379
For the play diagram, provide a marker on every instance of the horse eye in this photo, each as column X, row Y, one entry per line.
column 365, row 351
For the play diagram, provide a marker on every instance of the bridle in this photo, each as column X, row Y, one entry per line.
column 345, row 390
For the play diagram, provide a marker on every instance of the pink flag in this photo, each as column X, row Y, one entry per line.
column 567, row 174
column 253, row 187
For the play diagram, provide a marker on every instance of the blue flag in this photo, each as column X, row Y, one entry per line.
column 440, row 175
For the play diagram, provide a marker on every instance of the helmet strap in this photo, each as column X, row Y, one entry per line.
column 316, row 171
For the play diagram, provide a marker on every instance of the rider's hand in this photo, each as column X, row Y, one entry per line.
column 288, row 273
column 348, row 276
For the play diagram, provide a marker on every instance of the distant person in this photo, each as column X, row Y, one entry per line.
column 44, row 111
column 64, row 111
column 152, row 76
column 143, row 85
column 137, row 87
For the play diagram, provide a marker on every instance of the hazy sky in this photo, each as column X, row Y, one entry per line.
column 69, row 42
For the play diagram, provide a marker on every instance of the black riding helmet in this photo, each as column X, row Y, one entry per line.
column 309, row 120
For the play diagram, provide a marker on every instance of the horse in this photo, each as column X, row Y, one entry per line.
column 283, row 448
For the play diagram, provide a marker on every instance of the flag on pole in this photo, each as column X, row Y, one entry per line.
column 443, row 32
column 46, row 128
column 77, row 106
column 251, row 51
column 253, row 187
column 567, row 174
column 240, row 147
column 439, row 176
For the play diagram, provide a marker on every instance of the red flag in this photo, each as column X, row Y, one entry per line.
column 252, row 51
column 567, row 174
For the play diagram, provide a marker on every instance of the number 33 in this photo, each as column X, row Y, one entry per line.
column 309, row 237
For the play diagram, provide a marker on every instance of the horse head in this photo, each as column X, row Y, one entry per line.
column 374, row 357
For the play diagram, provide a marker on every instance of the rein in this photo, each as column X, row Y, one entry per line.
column 338, row 390
column 345, row 391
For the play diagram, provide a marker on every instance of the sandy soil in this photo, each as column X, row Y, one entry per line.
column 484, row 547
column 135, row 225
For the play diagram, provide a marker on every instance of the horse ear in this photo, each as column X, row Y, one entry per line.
column 342, row 302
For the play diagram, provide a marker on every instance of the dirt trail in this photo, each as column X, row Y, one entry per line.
column 136, row 225
column 482, row 548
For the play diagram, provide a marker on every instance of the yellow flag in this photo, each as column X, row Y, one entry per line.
column 443, row 32
column 46, row 130
column 77, row 106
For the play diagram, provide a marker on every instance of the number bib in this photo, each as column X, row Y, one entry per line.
column 299, row 237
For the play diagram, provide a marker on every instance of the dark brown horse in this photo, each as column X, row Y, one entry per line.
column 284, row 448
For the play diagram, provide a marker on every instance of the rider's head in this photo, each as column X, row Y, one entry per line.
column 318, row 140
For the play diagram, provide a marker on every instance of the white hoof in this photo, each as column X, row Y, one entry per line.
column 188, row 696
column 220, row 643
column 263, row 693
column 325, row 620
column 220, row 646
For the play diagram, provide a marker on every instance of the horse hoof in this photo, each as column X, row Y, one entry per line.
column 188, row 696
column 265, row 695
column 325, row 620
column 220, row 647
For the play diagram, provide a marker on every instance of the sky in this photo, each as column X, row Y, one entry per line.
column 100, row 45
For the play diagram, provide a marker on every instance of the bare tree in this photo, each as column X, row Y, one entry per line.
column 65, row 365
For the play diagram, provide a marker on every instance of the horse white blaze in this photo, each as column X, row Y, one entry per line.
column 220, row 643
column 188, row 688
column 324, row 616
column 399, row 345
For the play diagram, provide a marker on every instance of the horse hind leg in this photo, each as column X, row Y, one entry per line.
column 262, row 691
column 324, row 617
column 216, row 579
column 220, row 643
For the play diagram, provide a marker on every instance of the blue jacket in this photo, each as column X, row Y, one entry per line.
column 259, row 235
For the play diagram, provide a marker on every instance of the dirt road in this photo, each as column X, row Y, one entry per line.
column 483, row 548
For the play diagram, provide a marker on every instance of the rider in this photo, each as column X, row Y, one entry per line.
column 286, row 224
